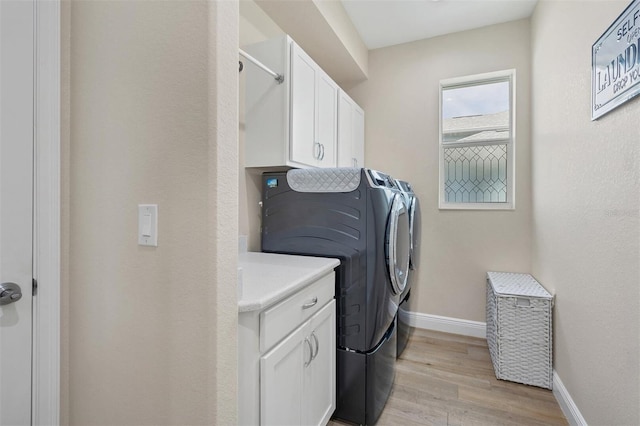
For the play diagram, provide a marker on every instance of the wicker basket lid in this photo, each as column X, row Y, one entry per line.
column 509, row 283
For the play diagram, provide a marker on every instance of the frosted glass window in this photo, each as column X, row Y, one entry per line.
column 476, row 174
column 476, row 141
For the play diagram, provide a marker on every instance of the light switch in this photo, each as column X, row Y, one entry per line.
column 148, row 225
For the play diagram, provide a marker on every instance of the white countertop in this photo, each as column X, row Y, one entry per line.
column 267, row 278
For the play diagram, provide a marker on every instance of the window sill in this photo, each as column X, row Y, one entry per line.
column 476, row 206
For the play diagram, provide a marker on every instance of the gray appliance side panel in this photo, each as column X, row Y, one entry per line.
column 348, row 226
column 327, row 225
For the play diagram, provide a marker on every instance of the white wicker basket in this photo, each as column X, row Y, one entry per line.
column 519, row 329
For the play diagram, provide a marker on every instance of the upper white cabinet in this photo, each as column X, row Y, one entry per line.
column 294, row 123
column 314, row 112
column 350, row 132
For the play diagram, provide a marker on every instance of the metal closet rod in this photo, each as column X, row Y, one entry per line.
column 279, row 78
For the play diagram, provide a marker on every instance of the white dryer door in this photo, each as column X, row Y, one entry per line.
column 399, row 243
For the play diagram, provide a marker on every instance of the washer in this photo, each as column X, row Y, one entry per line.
column 413, row 206
column 358, row 216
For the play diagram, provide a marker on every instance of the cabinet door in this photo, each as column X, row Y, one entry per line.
column 320, row 373
column 345, row 131
column 304, row 146
column 350, row 133
column 281, row 380
column 327, row 119
column 357, row 148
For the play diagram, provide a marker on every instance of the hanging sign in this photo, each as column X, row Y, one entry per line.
column 615, row 60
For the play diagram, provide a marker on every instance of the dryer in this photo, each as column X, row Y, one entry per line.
column 413, row 206
column 358, row 216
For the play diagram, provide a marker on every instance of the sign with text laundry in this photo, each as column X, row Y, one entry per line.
column 615, row 59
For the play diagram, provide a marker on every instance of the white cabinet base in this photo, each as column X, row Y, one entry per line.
column 292, row 379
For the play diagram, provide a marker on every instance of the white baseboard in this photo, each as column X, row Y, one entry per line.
column 568, row 407
column 446, row 324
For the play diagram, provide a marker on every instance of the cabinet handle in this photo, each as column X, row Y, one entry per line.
column 310, row 304
column 322, row 155
column 317, row 156
column 308, row 342
column 315, row 338
column 355, row 162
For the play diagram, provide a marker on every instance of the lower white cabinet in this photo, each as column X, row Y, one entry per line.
column 287, row 359
column 297, row 377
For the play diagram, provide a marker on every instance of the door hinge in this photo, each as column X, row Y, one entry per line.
column 34, row 286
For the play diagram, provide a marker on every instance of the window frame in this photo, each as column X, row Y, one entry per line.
column 474, row 80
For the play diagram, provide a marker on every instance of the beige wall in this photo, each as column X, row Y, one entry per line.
column 323, row 29
column 401, row 104
column 150, row 90
column 337, row 17
column 586, row 232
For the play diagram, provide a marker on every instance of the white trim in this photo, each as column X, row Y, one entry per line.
column 46, row 334
column 569, row 408
column 477, row 79
column 446, row 324
column 474, row 80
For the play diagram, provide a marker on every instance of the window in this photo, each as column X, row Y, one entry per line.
column 477, row 141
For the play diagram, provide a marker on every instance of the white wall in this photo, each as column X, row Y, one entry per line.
column 150, row 116
column 400, row 100
column 255, row 26
column 586, row 232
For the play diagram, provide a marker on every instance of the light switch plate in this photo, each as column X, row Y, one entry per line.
column 148, row 225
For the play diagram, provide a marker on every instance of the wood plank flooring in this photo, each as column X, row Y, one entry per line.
column 446, row 379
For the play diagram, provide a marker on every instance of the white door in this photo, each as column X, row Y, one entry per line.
column 350, row 133
column 358, row 136
column 320, row 373
column 281, row 380
column 16, row 212
column 304, row 146
column 327, row 120
column 345, row 132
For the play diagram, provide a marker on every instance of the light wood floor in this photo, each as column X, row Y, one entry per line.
column 446, row 379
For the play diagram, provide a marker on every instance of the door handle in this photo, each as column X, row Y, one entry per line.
column 9, row 293
column 310, row 304
column 308, row 342
column 315, row 338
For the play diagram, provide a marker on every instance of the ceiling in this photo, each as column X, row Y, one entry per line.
column 384, row 23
